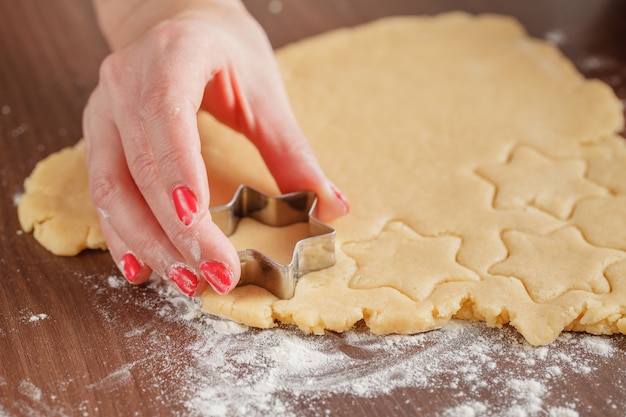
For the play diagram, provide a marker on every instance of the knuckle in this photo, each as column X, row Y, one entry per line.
column 103, row 189
column 184, row 238
column 181, row 235
column 143, row 246
column 152, row 256
column 290, row 149
column 163, row 104
column 172, row 158
column 143, row 169
column 110, row 70
column 153, row 106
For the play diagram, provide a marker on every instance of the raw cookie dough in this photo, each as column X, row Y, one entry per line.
column 56, row 204
column 276, row 242
column 485, row 175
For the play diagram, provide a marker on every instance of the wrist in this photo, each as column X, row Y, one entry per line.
column 123, row 21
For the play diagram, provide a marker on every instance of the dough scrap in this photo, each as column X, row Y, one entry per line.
column 485, row 174
column 56, row 204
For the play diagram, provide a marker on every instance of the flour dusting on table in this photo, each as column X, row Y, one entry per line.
column 240, row 371
column 37, row 317
column 216, row 368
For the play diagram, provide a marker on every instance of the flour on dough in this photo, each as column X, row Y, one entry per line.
column 485, row 174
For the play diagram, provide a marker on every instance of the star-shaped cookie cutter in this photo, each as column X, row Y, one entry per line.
column 313, row 253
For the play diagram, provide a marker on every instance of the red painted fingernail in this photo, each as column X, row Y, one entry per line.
column 340, row 197
column 186, row 204
column 184, row 278
column 218, row 275
column 131, row 267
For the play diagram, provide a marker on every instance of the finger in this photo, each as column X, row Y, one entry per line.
column 134, row 270
column 162, row 147
column 290, row 158
column 293, row 165
column 122, row 206
column 137, row 272
column 261, row 110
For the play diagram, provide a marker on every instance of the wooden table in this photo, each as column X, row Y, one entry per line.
column 67, row 325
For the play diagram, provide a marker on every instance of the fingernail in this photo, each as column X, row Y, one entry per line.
column 186, row 204
column 341, row 197
column 130, row 266
column 217, row 275
column 184, row 278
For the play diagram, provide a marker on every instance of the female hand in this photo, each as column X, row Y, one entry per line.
column 146, row 174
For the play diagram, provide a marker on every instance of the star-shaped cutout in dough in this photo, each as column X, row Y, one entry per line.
column 552, row 265
column 600, row 218
column 530, row 178
column 406, row 261
column 606, row 161
column 315, row 252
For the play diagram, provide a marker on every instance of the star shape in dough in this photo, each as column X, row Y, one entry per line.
column 530, row 178
column 606, row 160
column 402, row 259
column 315, row 252
column 552, row 265
column 598, row 219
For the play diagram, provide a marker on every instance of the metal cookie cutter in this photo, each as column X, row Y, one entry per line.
column 310, row 254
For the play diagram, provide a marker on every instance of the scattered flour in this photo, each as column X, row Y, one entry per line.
column 562, row 412
column 596, row 345
column 20, row 130
column 115, row 281
column 239, row 371
column 556, row 36
column 597, row 63
column 16, row 198
column 467, row 410
column 275, row 6
column 217, row 368
column 37, row 317
column 116, row 377
column 30, row 390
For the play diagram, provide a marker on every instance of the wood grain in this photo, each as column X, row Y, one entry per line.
column 50, row 52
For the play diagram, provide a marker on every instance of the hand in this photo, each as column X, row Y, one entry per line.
column 146, row 174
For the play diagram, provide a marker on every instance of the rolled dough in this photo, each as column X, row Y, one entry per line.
column 485, row 174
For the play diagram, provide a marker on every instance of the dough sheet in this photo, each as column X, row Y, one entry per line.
column 486, row 178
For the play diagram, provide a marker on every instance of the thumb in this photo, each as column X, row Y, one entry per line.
column 266, row 118
column 292, row 162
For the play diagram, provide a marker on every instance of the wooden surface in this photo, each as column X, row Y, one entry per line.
column 49, row 57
